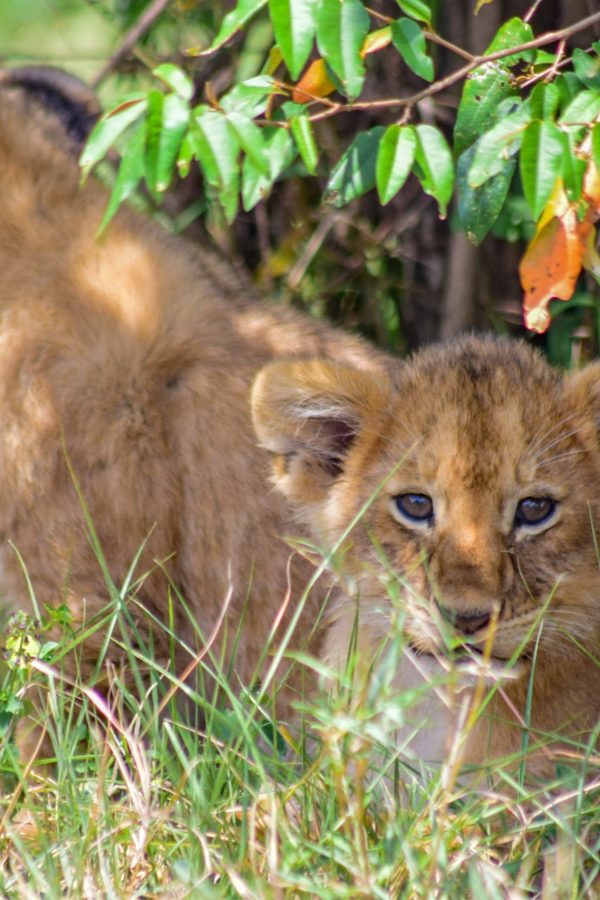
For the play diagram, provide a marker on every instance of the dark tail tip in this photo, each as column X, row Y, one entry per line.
column 68, row 98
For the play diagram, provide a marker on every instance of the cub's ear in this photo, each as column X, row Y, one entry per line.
column 583, row 391
column 60, row 96
column 309, row 413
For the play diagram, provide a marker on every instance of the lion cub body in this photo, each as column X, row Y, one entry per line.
column 125, row 369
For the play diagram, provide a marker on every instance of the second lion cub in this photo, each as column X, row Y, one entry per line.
column 478, row 469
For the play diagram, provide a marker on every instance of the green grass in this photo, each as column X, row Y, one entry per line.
column 136, row 803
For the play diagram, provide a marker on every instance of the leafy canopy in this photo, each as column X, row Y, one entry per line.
column 528, row 121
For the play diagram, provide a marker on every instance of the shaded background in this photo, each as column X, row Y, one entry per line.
column 397, row 273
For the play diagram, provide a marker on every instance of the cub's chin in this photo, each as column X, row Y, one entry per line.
column 470, row 659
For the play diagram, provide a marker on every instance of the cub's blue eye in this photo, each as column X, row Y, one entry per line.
column 415, row 507
column 534, row 510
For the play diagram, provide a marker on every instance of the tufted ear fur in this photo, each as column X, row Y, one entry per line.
column 64, row 98
column 583, row 390
column 309, row 414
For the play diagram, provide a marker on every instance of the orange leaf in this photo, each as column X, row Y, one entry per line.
column 591, row 259
column 551, row 264
column 591, row 186
column 314, row 83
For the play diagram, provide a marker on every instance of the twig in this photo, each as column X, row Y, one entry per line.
column 437, row 39
column 379, row 16
column 131, row 38
column 531, row 11
column 297, row 271
column 549, row 38
column 429, row 35
column 559, row 63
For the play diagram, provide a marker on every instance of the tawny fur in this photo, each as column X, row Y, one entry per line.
column 125, row 368
column 477, row 425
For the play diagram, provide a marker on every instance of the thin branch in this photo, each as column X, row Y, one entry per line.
column 432, row 36
column 560, row 62
column 150, row 14
column 313, row 245
column 437, row 39
column 379, row 16
column 549, row 38
column 531, row 11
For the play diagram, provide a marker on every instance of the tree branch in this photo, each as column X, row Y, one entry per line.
column 458, row 75
column 150, row 14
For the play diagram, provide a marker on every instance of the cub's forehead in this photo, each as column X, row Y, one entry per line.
column 478, row 402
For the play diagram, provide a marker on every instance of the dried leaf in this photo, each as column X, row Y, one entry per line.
column 591, row 186
column 553, row 260
column 314, row 83
column 591, row 258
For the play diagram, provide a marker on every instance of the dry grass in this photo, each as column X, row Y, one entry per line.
column 137, row 805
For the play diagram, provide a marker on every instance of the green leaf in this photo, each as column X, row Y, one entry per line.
column 131, row 172
column 488, row 85
column 176, row 79
column 484, row 89
column 543, row 59
column 497, row 145
column 583, row 109
column 250, row 138
column 302, row 133
column 587, row 67
column 257, row 41
column 436, row 171
column 294, row 26
column 289, row 110
column 166, row 125
column 279, row 152
column 512, row 33
column 544, row 101
column 394, row 160
column 354, row 174
column 596, row 144
column 417, row 9
column 185, row 157
column 109, row 128
column 233, row 21
column 569, row 86
column 541, row 162
column 249, row 98
column 217, row 150
column 342, row 26
column 255, row 184
column 408, row 40
column 153, row 131
column 479, row 207
column 573, row 168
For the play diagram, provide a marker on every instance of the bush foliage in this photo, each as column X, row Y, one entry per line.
column 525, row 137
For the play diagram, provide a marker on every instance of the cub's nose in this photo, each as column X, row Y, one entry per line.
column 467, row 623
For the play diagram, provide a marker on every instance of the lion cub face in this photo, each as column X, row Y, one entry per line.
column 477, row 472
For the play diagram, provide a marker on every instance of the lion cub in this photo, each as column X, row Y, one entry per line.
column 478, row 470
column 125, row 371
